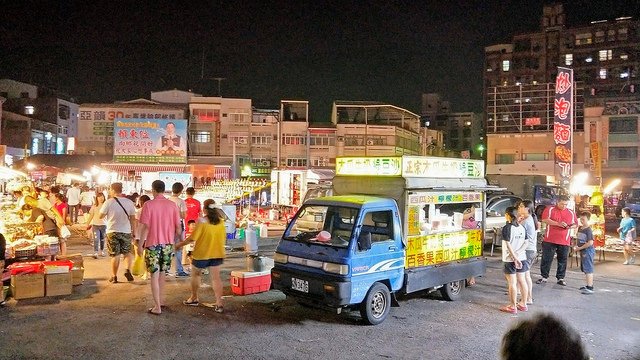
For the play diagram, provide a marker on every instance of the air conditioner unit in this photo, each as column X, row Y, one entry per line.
column 193, row 118
column 241, row 141
column 340, row 138
column 369, row 142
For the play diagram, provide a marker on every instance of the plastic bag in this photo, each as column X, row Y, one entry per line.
column 65, row 232
column 138, row 267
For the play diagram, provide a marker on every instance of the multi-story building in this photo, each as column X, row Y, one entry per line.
column 45, row 105
column 462, row 132
column 519, row 87
column 616, row 128
column 375, row 129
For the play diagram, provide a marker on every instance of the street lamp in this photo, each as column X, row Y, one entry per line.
column 612, row 185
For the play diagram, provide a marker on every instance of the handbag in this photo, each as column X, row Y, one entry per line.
column 65, row 232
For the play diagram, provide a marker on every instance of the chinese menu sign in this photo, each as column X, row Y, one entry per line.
column 596, row 158
column 374, row 166
column 425, row 250
column 563, row 125
column 435, row 167
column 150, row 141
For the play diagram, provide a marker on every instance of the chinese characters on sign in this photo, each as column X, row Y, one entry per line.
column 419, row 166
column 444, row 198
column 435, row 249
column 563, row 125
column 150, row 141
column 374, row 166
column 596, row 158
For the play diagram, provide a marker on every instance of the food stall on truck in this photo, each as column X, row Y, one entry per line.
column 396, row 225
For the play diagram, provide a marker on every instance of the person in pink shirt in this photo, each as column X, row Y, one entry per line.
column 160, row 224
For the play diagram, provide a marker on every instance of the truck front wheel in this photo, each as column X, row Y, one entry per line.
column 375, row 307
column 451, row 291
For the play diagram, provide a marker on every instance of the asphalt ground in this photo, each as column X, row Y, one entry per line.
column 109, row 321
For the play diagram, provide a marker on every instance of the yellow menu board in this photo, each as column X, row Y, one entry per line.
column 425, row 250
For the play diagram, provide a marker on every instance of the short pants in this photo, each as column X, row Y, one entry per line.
column 510, row 267
column 203, row 264
column 531, row 255
column 586, row 261
column 158, row 258
column 118, row 243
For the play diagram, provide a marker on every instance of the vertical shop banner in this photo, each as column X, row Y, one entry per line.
column 563, row 125
column 150, row 141
column 596, row 158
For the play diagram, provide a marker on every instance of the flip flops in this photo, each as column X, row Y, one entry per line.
column 191, row 303
column 509, row 309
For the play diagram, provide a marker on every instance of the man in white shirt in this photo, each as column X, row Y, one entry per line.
column 73, row 201
column 119, row 215
column 86, row 199
column 176, row 190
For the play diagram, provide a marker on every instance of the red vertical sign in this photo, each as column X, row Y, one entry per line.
column 563, row 125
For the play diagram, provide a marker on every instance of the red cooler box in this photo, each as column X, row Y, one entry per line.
column 250, row 282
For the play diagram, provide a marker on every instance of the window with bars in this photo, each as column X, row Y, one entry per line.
column 623, row 153
column 260, row 139
column 293, row 139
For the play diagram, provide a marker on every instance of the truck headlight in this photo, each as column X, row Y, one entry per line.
column 340, row 269
column 280, row 258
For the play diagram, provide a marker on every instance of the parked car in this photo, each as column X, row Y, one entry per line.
column 496, row 207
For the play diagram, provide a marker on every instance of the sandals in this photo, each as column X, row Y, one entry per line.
column 191, row 303
column 562, row 282
column 509, row 309
column 218, row 309
column 113, row 279
column 150, row 311
column 522, row 308
column 128, row 275
column 541, row 281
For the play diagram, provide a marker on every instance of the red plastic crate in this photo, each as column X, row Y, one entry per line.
column 30, row 267
column 250, row 282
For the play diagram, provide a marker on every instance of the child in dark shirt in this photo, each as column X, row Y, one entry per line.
column 587, row 251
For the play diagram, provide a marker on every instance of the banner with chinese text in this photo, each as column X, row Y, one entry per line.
column 596, row 158
column 563, row 125
column 150, row 141
column 425, row 250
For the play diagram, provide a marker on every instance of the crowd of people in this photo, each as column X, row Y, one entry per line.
column 155, row 228
column 520, row 241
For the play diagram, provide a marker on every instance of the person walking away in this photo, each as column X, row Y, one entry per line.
column 176, row 190
column 160, row 225
column 208, row 253
column 97, row 225
column 138, row 236
column 194, row 209
column 73, row 199
column 587, row 251
column 559, row 220
column 514, row 258
column 527, row 216
column 119, row 215
column 87, row 198
column 627, row 231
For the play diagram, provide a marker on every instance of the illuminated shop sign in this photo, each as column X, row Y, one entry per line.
column 371, row 166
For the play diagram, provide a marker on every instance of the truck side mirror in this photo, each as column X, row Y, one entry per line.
column 364, row 241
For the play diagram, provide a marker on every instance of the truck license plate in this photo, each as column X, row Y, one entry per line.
column 300, row 285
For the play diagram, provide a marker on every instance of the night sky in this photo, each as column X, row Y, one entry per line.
column 321, row 51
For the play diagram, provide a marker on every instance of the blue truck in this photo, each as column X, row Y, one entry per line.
column 395, row 225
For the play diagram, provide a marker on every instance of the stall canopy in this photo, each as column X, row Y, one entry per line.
column 8, row 173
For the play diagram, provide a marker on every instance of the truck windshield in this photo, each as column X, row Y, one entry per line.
column 321, row 224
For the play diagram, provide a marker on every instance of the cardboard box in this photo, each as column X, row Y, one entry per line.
column 58, row 284
column 250, row 282
column 77, row 276
column 27, row 286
